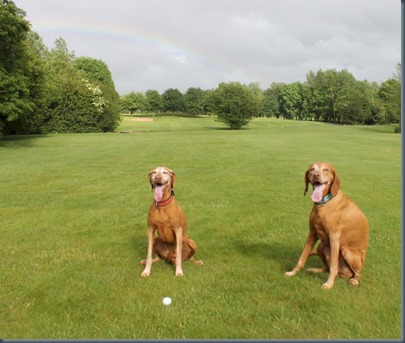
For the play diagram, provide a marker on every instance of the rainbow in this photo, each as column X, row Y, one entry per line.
column 140, row 36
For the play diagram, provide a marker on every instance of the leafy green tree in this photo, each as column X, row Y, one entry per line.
column 372, row 105
column 153, row 101
column 258, row 94
column 323, row 87
column 234, row 104
column 398, row 74
column 94, row 70
column 194, row 100
column 349, row 104
column 314, row 103
column 133, row 102
column 15, row 64
column 31, row 121
column 209, row 106
column 173, row 100
column 390, row 95
column 271, row 101
column 330, row 94
column 98, row 79
column 350, row 100
column 76, row 102
column 292, row 100
column 329, row 84
column 270, row 104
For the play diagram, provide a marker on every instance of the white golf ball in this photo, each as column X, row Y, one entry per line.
column 167, row 301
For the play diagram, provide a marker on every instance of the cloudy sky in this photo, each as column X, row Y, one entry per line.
column 161, row 44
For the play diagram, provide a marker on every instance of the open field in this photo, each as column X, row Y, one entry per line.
column 73, row 228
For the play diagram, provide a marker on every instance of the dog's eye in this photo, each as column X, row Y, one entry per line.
column 325, row 169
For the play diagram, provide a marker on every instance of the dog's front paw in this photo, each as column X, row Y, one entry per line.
column 327, row 285
column 179, row 273
column 292, row 273
column 353, row 282
column 145, row 273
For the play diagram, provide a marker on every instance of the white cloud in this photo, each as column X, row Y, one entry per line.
column 159, row 44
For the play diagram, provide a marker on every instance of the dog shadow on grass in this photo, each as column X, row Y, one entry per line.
column 284, row 254
column 139, row 242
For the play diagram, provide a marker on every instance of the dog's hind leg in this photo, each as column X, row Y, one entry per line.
column 354, row 259
column 197, row 262
column 189, row 249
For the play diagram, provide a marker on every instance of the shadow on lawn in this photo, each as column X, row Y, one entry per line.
column 19, row 141
column 283, row 253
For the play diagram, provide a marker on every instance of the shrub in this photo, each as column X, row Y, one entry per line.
column 234, row 104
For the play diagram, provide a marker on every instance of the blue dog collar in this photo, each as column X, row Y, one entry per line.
column 324, row 200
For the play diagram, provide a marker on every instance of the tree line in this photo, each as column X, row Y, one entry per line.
column 53, row 91
column 327, row 95
column 50, row 91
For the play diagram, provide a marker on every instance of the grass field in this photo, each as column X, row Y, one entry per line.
column 73, row 228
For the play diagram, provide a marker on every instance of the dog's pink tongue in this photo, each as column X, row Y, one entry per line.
column 317, row 193
column 159, row 193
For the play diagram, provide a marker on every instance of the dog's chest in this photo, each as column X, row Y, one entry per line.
column 323, row 223
column 165, row 220
column 166, row 233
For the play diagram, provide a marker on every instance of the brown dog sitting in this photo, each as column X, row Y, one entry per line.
column 338, row 223
column 167, row 218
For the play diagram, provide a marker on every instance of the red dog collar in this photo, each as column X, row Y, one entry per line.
column 165, row 202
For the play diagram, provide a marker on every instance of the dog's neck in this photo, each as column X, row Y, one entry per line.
column 165, row 202
column 324, row 200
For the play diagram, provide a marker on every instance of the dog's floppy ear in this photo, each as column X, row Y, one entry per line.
column 150, row 177
column 335, row 184
column 172, row 177
column 306, row 179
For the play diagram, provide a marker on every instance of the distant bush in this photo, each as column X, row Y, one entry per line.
column 234, row 104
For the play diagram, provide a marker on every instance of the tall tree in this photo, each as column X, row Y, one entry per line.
column 15, row 98
column 173, row 100
column 76, row 103
column 324, row 91
column 350, row 100
column 257, row 92
column 94, row 70
column 153, row 101
column 372, row 105
column 31, row 121
column 390, row 95
column 292, row 100
column 194, row 100
column 272, row 101
column 98, row 79
column 133, row 102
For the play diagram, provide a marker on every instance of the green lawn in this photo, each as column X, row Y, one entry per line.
column 73, row 227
